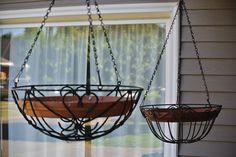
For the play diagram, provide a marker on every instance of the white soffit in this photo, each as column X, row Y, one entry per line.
column 81, row 10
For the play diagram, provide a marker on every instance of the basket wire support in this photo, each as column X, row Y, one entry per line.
column 160, row 56
column 194, row 121
column 179, row 80
column 118, row 77
column 91, row 36
column 17, row 77
column 88, row 77
column 196, row 51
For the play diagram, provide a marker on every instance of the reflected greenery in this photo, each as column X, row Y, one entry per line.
column 138, row 140
column 59, row 57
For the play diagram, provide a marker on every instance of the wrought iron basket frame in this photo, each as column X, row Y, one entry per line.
column 198, row 124
column 78, row 130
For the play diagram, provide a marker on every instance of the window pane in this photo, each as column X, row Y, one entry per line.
column 60, row 57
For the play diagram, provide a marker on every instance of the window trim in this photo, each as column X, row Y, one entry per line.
column 172, row 49
column 81, row 10
column 170, row 150
column 33, row 17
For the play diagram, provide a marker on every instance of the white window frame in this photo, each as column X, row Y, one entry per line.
column 172, row 55
column 170, row 150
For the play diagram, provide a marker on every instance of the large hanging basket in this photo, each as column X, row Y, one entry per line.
column 75, row 112
column 194, row 120
column 65, row 111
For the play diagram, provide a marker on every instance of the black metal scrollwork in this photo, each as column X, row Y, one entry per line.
column 67, row 113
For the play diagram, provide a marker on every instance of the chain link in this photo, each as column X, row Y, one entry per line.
column 160, row 56
column 179, row 81
column 197, row 52
column 181, row 5
column 91, row 33
column 17, row 77
column 118, row 78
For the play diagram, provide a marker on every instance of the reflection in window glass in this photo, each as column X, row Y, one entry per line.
column 59, row 57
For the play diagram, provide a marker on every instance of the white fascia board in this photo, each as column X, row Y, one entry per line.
column 85, row 23
column 81, row 10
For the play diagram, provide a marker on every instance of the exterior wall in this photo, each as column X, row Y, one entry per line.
column 214, row 24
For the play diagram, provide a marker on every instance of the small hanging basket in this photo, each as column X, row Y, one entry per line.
column 194, row 121
column 180, row 123
column 64, row 111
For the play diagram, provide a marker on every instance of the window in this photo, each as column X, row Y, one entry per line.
column 59, row 57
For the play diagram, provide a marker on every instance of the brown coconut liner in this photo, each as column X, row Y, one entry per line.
column 72, row 107
column 187, row 113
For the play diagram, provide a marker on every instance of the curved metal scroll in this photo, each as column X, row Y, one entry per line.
column 65, row 111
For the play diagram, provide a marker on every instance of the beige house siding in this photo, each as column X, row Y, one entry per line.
column 214, row 24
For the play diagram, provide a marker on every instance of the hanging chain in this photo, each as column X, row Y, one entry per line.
column 16, row 79
column 118, row 78
column 179, row 81
column 197, row 52
column 160, row 56
column 91, row 32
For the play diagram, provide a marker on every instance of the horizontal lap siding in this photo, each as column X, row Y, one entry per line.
column 214, row 26
column 214, row 67
column 211, row 4
column 208, row 149
column 227, row 117
column 216, row 134
column 210, row 50
column 213, row 18
column 215, row 83
column 211, row 33
column 228, row 99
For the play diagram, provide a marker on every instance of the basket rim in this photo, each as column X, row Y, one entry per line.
column 58, row 87
column 180, row 114
column 155, row 106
